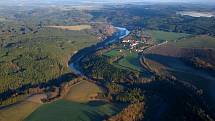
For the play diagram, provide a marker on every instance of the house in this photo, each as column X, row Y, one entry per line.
column 126, row 41
column 134, row 43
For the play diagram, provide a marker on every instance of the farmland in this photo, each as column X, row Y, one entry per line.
column 18, row 112
column 84, row 91
column 163, row 70
column 73, row 111
column 74, row 28
column 161, row 36
column 113, row 53
column 129, row 60
column 80, row 99
column 202, row 41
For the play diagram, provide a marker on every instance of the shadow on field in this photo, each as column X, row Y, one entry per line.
column 96, row 103
column 95, row 116
column 54, row 82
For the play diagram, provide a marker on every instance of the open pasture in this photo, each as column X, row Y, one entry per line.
column 64, row 110
column 18, row 112
column 74, row 28
column 83, row 91
column 162, row 36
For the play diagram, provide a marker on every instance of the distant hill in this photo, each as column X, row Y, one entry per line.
column 57, row 2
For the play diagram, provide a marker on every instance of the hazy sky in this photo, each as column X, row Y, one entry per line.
column 93, row 1
column 163, row 0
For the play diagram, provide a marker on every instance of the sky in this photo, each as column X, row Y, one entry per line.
column 99, row 1
column 163, row 0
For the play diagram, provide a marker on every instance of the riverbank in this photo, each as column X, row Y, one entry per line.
column 75, row 59
column 73, row 64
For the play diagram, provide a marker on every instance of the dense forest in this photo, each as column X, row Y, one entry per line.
column 35, row 55
column 165, row 18
column 32, row 54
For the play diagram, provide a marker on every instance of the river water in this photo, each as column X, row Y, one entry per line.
column 76, row 58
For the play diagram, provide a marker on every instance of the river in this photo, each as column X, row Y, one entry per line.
column 76, row 58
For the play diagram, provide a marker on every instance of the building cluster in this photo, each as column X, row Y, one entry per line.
column 132, row 43
column 137, row 43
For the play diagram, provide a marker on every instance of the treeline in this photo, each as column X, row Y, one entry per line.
column 199, row 63
column 185, row 98
column 14, row 95
column 131, row 96
column 134, row 112
column 33, row 55
column 160, row 18
column 114, row 79
column 98, row 67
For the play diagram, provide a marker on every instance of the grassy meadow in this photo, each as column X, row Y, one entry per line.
column 129, row 61
column 113, row 53
column 79, row 100
column 162, row 36
column 18, row 112
column 74, row 28
column 83, row 91
column 77, row 105
column 202, row 41
column 64, row 110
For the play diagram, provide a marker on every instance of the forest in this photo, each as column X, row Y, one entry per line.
column 169, row 76
column 164, row 18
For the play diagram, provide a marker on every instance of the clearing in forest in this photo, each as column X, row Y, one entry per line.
column 74, row 28
column 83, row 91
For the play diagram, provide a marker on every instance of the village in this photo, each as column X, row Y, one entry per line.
column 138, row 41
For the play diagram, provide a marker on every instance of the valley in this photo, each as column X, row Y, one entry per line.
column 107, row 62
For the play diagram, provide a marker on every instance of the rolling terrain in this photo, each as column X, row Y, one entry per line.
column 190, row 62
column 106, row 62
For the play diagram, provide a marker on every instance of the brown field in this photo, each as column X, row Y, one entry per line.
column 72, row 28
column 37, row 98
column 18, row 112
column 207, row 54
column 175, row 59
column 83, row 91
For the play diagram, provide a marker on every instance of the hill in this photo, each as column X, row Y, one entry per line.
column 189, row 63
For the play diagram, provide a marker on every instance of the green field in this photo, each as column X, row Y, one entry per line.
column 84, row 91
column 63, row 110
column 129, row 61
column 162, row 36
column 18, row 112
column 113, row 53
column 77, row 105
column 203, row 41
